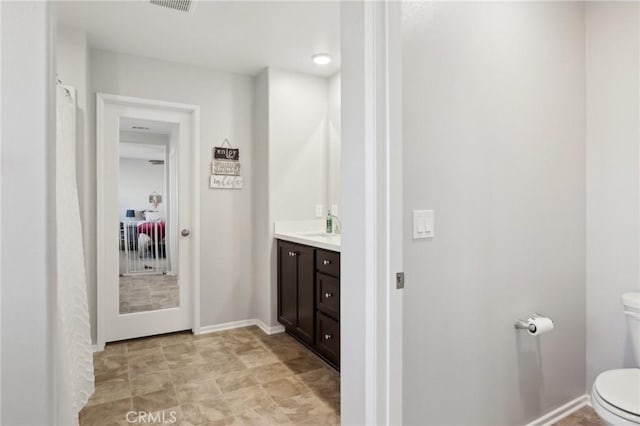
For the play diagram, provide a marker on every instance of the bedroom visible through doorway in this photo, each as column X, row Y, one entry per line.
column 146, row 207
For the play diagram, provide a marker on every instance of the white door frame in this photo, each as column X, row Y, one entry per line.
column 194, row 111
column 371, row 324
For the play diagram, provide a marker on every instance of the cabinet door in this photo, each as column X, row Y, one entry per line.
column 287, row 286
column 328, row 343
column 306, row 293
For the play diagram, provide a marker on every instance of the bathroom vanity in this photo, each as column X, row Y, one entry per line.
column 309, row 292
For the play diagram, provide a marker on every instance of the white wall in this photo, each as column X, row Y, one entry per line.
column 137, row 180
column 298, row 106
column 292, row 151
column 613, row 179
column 226, row 112
column 264, row 300
column 28, row 220
column 353, row 258
column 72, row 62
column 494, row 131
column 334, row 130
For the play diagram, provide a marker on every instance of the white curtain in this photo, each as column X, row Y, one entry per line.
column 73, row 333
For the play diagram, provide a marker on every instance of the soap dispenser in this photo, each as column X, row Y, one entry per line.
column 329, row 223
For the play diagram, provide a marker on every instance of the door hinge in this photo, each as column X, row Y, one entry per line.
column 399, row 280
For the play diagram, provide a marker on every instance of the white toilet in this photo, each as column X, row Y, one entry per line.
column 616, row 393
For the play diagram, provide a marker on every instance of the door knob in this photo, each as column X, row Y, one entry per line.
column 185, row 232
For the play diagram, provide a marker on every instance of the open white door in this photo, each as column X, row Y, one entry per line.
column 140, row 291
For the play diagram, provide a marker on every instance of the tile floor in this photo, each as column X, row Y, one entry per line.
column 585, row 416
column 233, row 377
column 139, row 293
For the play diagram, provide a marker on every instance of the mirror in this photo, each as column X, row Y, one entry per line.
column 146, row 203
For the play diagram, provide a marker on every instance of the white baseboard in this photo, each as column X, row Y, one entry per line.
column 588, row 400
column 562, row 412
column 270, row 329
column 227, row 326
column 238, row 324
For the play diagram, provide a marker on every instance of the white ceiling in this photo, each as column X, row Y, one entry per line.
column 146, row 126
column 236, row 36
column 144, row 144
column 141, row 152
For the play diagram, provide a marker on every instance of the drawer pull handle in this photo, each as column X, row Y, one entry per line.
column 327, row 336
column 328, row 295
column 326, row 262
column 292, row 253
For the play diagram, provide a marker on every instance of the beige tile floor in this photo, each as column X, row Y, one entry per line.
column 234, row 377
column 139, row 293
column 585, row 416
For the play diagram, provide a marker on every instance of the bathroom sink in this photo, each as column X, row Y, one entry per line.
column 315, row 239
column 323, row 235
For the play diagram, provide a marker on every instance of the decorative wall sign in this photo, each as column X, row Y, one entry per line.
column 226, row 182
column 225, row 167
column 221, row 167
column 226, row 153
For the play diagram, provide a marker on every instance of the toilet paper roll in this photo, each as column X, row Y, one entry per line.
column 542, row 325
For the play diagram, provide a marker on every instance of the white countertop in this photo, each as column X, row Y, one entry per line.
column 308, row 232
column 317, row 239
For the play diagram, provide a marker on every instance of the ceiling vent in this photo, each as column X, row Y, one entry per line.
column 181, row 5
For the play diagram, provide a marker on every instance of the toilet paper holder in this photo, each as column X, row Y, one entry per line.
column 526, row 324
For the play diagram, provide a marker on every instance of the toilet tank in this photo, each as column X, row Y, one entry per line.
column 631, row 302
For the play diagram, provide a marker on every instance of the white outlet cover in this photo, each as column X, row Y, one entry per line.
column 334, row 209
column 319, row 210
column 423, row 224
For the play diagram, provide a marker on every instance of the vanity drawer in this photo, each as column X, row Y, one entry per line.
column 328, row 338
column 328, row 295
column 328, row 262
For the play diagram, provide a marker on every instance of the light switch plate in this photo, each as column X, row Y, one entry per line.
column 319, row 211
column 423, row 225
column 334, row 209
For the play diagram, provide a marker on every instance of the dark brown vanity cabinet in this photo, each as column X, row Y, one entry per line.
column 309, row 297
column 295, row 289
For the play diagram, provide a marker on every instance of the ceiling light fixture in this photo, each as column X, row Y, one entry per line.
column 321, row 59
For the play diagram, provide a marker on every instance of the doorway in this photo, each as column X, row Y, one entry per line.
column 236, row 289
column 148, row 280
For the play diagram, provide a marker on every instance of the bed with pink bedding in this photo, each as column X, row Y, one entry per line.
column 153, row 229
